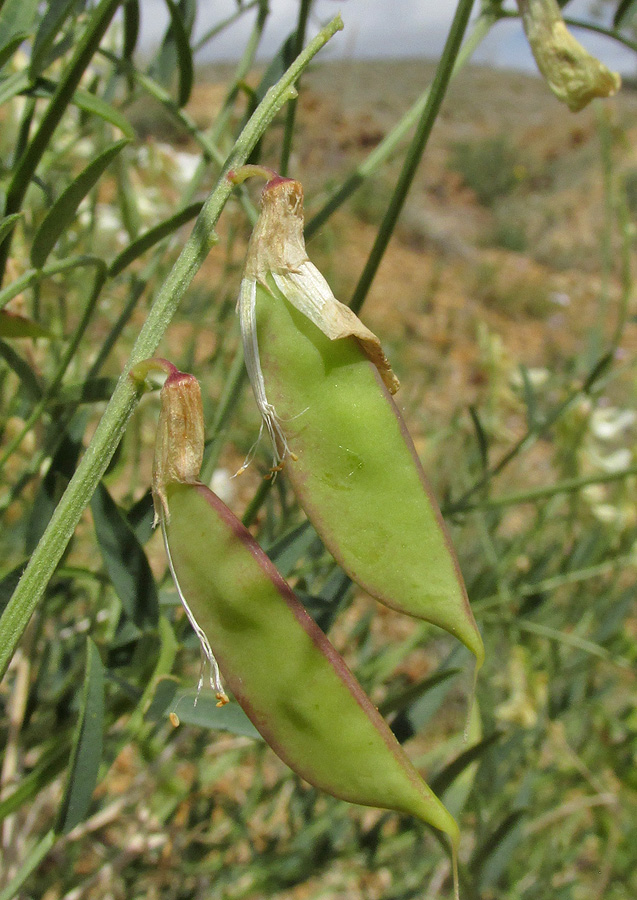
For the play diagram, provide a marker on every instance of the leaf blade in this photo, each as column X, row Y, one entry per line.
column 125, row 560
column 87, row 745
column 61, row 214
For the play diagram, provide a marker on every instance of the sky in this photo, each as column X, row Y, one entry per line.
column 415, row 28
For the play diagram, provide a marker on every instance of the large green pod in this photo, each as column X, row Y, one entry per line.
column 281, row 668
column 341, row 437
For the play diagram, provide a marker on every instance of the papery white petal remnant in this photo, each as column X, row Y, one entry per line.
column 277, row 252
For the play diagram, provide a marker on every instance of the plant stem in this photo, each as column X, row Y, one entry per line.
column 72, row 74
column 237, row 375
column 388, row 145
column 56, row 381
column 288, row 134
column 30, row 864
column 111, row 428
column 415, row 151
column 532, row 434
column 550, row 490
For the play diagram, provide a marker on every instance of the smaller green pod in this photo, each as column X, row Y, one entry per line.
column 282, row 669
column 323, row 386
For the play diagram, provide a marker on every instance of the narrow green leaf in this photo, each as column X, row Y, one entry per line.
column 325, row 606
column 481, row 437
column 53, row 20
column 506, row 831
column 94, row 105
column 624, row 13
column 7, row 224
column 22, row 369
column 63, row 211
column 184, row 53
column 16, row 18
column 529, row 398
column 175, row 53
column 151, row 237
column 49, row 765
column 93, row 390
column 441, row 781
column 208, row 715
column 162, row 699
column 98, row 22
column 125, row 560
column 54, row 483
column 30, row 863
column 140, row 517
column 8, row 583
column 131, row 27
column 11, row 46
column 403, row 699
column 279, row 63
column 14, row 326
column 15, row 84
column 288, row 550
column 87, row 745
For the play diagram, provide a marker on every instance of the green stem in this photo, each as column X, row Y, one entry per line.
column 568, row 486
column 56, row 381
column 243, row 68
column 34, row 275
column 557, row 581
column 415, row 151
column 563, row 637
column 71, row 76
column 389, row 144
column 231, row 392
column 33, row 860
column 210, row 151
column 288, row 134
column 531, row 435
column 599, row 29
column 111, row 428
column 221, row 26
column 257, row 501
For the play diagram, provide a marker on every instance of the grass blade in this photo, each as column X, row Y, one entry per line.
column 125, row 560
column 179, row 38
column 29, row 161
column 7, row 51
column 60, row 216
column 57, row 13
column 151, row 237
column 207, row 714
column 87, row 745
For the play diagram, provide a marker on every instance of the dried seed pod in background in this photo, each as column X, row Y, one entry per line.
column 573, row 75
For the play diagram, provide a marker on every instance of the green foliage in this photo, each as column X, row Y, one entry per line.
column 490, row 167
column 535, row 464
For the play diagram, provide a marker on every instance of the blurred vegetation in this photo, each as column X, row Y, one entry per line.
column 491, row 167
column 531, row 454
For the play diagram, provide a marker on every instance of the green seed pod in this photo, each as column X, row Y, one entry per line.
column 321, row 383
column 573, row 75
column 281, row 668
column 304, row 701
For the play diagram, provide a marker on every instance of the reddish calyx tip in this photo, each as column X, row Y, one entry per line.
column 158, row 366
column 238, row 176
